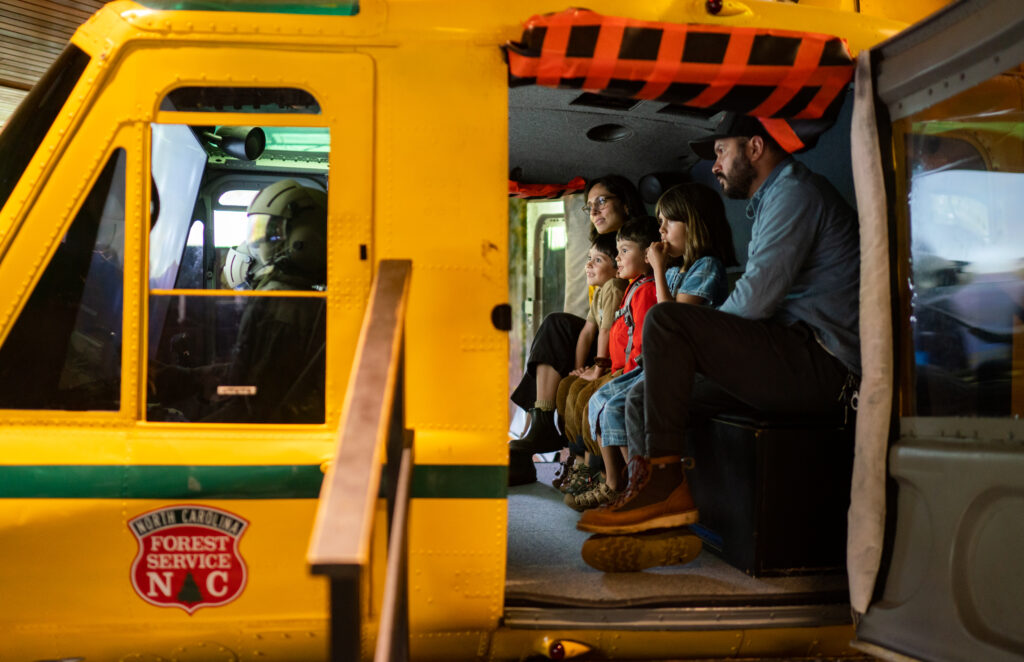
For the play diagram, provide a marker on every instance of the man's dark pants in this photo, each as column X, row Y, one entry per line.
column 700, row 362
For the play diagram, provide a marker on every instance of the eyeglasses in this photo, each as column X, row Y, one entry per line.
column 600, row 202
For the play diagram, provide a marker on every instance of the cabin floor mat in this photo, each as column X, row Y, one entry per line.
column 545, row 566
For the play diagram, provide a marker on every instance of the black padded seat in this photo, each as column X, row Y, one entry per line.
column 773, row 492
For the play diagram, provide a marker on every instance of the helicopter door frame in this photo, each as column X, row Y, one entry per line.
column 949, row 554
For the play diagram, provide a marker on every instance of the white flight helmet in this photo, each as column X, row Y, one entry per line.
column 239, row 265
column 288, row 225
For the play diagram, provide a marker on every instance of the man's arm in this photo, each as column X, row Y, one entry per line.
column 787, row 226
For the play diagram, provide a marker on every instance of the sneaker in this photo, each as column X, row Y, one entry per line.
column 597, row 495
column 565, row 472
column 580, row 473
column 657, row 497
column 639, row 551
column 585, row 480
column 543, row 436
column 521, row 470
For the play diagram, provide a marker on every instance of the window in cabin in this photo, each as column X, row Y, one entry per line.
column 965, row 184
column 64, row 351
column 238, row 275
column 552, row 265
column 545, row 253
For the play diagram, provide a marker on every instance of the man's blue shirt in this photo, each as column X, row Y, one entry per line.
column 803, row 261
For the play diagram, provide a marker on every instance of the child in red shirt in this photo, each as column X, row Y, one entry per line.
column 626, row 334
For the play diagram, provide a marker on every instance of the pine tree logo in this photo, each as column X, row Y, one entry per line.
column 188, row 556
column 189, row 592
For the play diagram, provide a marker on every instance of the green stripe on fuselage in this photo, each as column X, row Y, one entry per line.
column 226, row 482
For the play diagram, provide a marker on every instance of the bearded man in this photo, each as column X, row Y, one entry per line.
column 784, row 342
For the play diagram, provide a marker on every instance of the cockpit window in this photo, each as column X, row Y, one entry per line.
column 64, row 352
column 240, row 100
column 238, row 274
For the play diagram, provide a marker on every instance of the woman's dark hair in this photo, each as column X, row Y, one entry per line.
column 707, row 230
column 642, row 230
column 621, row 188
column 606, row 244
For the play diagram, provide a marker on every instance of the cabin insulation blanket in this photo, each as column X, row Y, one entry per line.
column 783, row 75
column 867, row 498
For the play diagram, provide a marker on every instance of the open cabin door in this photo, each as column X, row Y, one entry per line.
column 950, row 93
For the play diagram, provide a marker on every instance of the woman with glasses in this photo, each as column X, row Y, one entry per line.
column 611, row 201
column 560, row 347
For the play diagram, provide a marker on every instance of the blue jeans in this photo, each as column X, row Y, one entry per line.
column 607, row 413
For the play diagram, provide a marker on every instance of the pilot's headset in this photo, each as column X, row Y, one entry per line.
column 288, row 225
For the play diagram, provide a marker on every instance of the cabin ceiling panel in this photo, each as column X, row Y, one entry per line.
column 555, row 135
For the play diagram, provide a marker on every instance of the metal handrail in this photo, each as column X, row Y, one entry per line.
column 371, row 416
column 393, row 633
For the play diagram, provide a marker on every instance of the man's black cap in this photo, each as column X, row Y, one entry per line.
column 732, row 125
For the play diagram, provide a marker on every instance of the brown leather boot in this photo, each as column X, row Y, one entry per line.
column 639, row 551
column 657, row 497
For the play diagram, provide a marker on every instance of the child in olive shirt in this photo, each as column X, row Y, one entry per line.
column 565, row 344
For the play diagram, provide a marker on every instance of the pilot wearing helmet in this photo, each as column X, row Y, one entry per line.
column 288, row 233
column 277, row 368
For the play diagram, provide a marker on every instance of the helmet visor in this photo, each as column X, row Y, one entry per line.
column 264, row 227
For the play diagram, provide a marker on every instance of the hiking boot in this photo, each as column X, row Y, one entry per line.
column 657, row 497
column 639, row 551
column 597, row 495
column 543, row 436
column 521, row 470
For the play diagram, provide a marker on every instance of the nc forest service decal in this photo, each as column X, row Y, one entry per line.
column 188, row 557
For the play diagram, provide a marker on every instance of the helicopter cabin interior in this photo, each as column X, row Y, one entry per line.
column 558, row 135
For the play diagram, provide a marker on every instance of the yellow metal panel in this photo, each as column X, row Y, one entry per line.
column 833, row 641
column 495, row 20
column 447, row 444
column 65, row 574
column 774, row 643
column 908, row 11
column 440, row 201
column 449, row 646
column 456, row 564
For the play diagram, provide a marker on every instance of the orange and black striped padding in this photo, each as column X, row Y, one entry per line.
column 753, row 71
column 543, row 191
